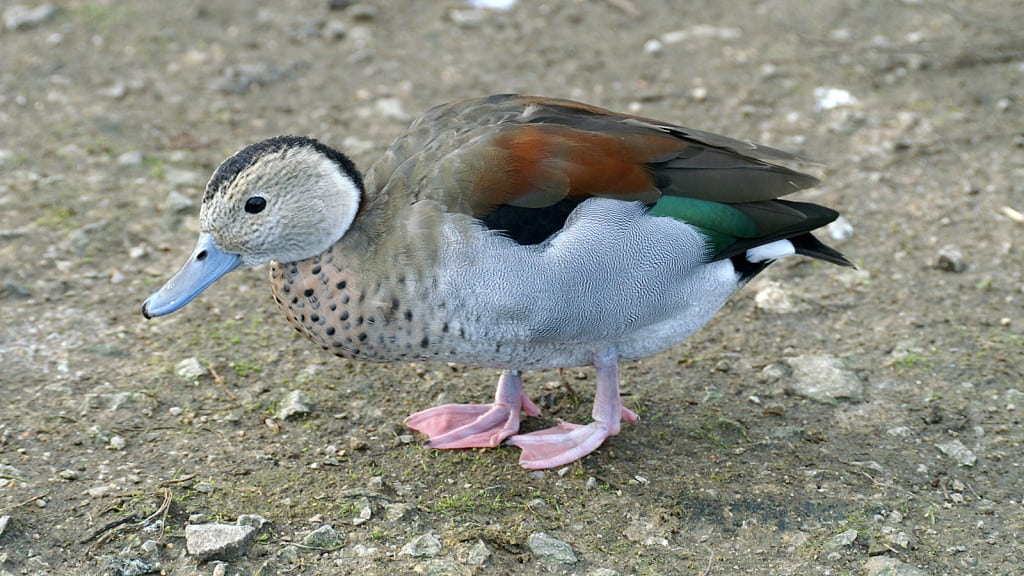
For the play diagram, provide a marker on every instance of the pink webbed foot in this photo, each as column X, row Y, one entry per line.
column 565, row 442
column 453, row 426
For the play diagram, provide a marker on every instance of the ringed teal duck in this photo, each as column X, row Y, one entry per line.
column 512, row 232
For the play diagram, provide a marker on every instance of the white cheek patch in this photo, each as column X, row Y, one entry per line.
column 771, row 251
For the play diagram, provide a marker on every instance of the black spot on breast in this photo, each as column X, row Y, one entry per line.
column 425, row 342
column 295, row 299
column 314, row 317
column 333, row 307
column 408, row 315
column 286, row 288
column 341, row 285
column 344, row 315
column 363, row 336
column 330, row 331
column 444, row 328
column 359, row 320
column 316, row 269
column 309, row 292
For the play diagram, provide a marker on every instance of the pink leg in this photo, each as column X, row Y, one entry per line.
column 476, row 425
column 567, row 442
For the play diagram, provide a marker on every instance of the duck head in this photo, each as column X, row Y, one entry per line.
column 287, row 199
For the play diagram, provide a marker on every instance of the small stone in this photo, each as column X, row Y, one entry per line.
column 197, row 518
column 424, row 545
column 182, row 176
column 840, row 229
column 334, row 30
column 289, row 554
column 950, row 259
column 203, row 487
column 899, row 432
column 177, row 203
column 775, row 299
column 219, row 568
column 477, row 554
column 190, row 369
column 653, row 46
column 117, row 443
column 68, row 475
column 98, row 491
column 257, row 522
column 217, row 541
column 238, row 79
column 115, row 566
column 959, row 453
column 365, row 511
column 19, row 17
column 824, row 379
column 551, row 549
column 468, row 17
column 841, row 540
column 363, row 12
column 4, row 521
column 396, row 511
column 390, row 108
column 323, row 538
column 886, row 566
column 151, row 548
column 296, row 403
column 535, row 474
column 130, row 158
column 603, row 572
column 591, row 483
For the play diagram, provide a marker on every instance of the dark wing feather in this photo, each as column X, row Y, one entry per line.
column 521, row 164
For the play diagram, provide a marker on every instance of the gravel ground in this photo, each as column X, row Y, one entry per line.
column 828, row 421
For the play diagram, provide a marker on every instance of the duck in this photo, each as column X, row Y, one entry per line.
column 511, row 232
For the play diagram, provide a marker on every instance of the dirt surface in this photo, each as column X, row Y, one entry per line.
column 113, row 114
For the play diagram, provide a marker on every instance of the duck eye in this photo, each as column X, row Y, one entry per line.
column 255, row 204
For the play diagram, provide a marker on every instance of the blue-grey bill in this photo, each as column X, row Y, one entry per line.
column 206, row 264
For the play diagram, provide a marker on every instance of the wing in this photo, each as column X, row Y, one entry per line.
column 521, row 164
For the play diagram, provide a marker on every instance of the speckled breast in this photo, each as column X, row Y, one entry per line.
column 380, row 319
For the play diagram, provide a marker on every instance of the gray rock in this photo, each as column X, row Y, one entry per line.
column 396, row 511
column 176, row 202
column 442, row 567
column 824, row 379
column 190, row 369
column 365, row 511
column 603, row 572
column 424, row 545
column 950, row 259
column 19, row 17
column 257, row 522
column 217, row 541
column 294, row 404
column 885, row 566
column 289, row 554
column 775, row 299
column 841, row 540
column 4, row 520
column 334, row 30
column 840, row 229
column 238, row 79
column 115, row 566
column 959, row 453
column 130, row 158
column 550, row 549
column 323, row 538
column 477, row 554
